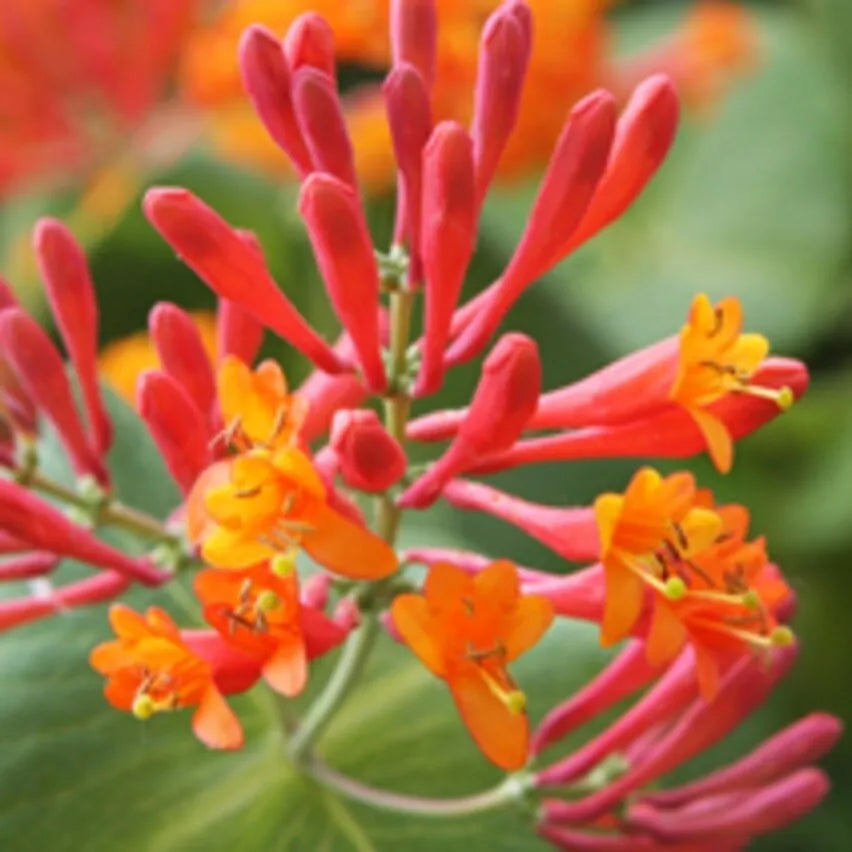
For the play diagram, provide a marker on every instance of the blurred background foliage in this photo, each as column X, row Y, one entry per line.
column 755, row 201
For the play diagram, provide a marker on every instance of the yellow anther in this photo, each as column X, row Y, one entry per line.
column 144, row 707
column 785, row 398
column 751, row 599
column 267, row 600
column 782, row 636
column 516, row 701
column 675, row 588
column 283, row 564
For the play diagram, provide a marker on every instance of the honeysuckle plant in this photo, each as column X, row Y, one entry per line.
column 286, row 535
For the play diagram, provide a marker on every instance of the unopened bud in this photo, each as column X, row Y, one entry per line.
column 370, row 459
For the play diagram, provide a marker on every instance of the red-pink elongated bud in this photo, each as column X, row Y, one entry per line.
column 750, row 812
column 469, row 562
column 10, row 544
column 310, row 41
column 447, row 240
column 71, row 294
column 572, row 840
column 504, row 53
column 320, row 116
column 43, row 527
column 232, row 268
column 668, row 696
column 628, row 672
column 266, row 78
column 570, row 532
column 744, row 688
column 670, row 433
column 504, row 400
column 102, row 587
column 347, row 614
column 797, row 745
column 575, row 167
column 410, row 120
column 580, row 595
column 369, row 458
column 238, row 333
column 176, row 424
column 39, row 368
column 644, row 135
column 13, row 398
column 27, row 566
column 414, row 36
column 314, row 591
column 182, row 353
column 344, row 253
column 233, row 671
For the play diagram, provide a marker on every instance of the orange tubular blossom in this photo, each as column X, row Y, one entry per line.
column 150, row 670
column 466, row 630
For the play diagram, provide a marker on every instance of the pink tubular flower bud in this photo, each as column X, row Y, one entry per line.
column 369, row 458
column 39, row 368
column 570, row 532
column 314, row 590
column 43, row 527
column 69, row 288
column 628, row 672
column 310, row 41
column 447, row 240
column 232, row 268
column 238, row 333
column 320, row 116
column 103, row 587
column 410, row 121
column 667, row 433
column 469, row 562
column 575, row 167
column 266, row 77
column 10, row 544
column 344, row 253
column 414, row 36
column 176, row 424
column 795, row 746
column 182, row 353
column 504, row 400
column 504, row 52
column 27, row 566
column 747, row 812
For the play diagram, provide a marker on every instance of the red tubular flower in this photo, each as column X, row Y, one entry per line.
column 103, row 587
column 151, row 669
column 258, row 611
column 238, row 333
column 447, row 240
column 504, row 54
column 15, row 404
column 320, row 117
column 369, row 459
column 504, row 400
column 628, row 672
column 27, row 566
column 267, row 79
column 42, row 527
column 410, row 121
column 570, row 532
column 310, row 41
column 575, row 167
column 469, row 562
column 177, row 426
column 182, row 353
column 414, row 36
column 39, row 368
column 345, row 256
column 642, row 139
column 232, row 268
column 71, row 294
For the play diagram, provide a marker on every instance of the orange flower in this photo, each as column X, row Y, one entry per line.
column 256, row 406
column 723, row 601
column 717, row 359
column 258, row 611
column 150, row 670
column 654, row 523
column 466, row 630
column 247, row 509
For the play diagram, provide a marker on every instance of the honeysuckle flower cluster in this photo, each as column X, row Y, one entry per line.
column 274, row 477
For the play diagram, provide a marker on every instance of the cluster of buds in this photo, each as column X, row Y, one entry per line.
column 701, row 608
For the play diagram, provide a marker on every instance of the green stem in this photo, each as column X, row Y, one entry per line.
column 349, row 666
column 511, row 790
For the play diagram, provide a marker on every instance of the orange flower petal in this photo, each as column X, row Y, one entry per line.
column 624, row 595
column 295, row 465
column 127, row 623
column 719, row 443
column 502, row 735
column 286, row 671
column 446, row 583
column 227, row 549
column 215, row 724
column 345, row 548
column 498, row 584
column 198, row 523
column 666, row 635
column 707, row 671
column 528, row 623
column 414, row 621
